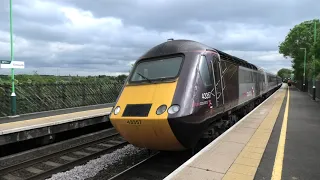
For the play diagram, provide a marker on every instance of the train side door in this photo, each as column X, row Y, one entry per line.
column 217, row 79
column 208, row 94
column 256, row 82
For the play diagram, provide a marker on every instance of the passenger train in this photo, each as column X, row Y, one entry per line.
column 182, row 92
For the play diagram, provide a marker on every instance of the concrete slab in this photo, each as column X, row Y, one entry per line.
column 93, row 149
column 34, row 170
column 53, row 164
column 81, row 153
column 219, row 163
column 68, row 158
column 238, row 137
column 194, row 173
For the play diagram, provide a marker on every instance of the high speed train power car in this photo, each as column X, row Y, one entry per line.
column 182, row 91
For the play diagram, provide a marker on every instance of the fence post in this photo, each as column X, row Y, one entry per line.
column 64, row 95
column 318, row 87
column 101, row 95
column 38, row 89
column 83, row 95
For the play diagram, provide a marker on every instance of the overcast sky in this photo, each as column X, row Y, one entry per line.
column 91, row 37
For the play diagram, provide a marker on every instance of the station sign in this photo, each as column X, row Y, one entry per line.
column 14, row 64
column 5, row 62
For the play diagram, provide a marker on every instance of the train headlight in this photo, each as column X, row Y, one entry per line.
column 161, row 109
column 173, row 109
column 116, row 110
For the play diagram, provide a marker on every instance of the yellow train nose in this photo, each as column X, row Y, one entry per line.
column 137, row 121
column 147, row 133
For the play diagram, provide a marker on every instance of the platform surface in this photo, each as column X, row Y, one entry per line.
column 295, row 156
column 277, row 140
column 55, row 118
column 42, row 114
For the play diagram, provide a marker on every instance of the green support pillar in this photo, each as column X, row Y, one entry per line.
column 304, row 69
column 13, row 94
column 314, row 63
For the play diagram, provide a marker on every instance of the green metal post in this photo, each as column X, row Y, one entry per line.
column 304, row 69
column 13, row 94
column 314, row 63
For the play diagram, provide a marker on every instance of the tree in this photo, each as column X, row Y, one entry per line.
column 122, row 77
column 302, row 36
column 284, row 73
column 131, row 67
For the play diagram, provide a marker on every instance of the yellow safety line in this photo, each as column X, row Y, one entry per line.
column 278, row 163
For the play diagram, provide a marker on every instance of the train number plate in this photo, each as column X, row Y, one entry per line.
column 134, row 122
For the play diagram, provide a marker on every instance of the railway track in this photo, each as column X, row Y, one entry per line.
column 47, row 165
column 157, row 166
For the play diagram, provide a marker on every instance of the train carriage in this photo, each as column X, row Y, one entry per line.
column 182, row 91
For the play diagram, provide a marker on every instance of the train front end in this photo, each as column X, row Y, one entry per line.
column 142, row 109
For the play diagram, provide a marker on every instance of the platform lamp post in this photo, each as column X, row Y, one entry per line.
column 304, row 68
column 314, row 60
column 13, row 94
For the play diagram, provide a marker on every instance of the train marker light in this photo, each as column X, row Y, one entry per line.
column 173, row 109
column 116, row 110
column 161, row 109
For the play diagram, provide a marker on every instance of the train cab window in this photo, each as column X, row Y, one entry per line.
column 204, row 71
column 164, row 68
column 217, row 72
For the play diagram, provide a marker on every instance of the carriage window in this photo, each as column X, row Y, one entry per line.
column 204, row 71
column 246, row 76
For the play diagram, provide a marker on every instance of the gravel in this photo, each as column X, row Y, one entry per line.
column 120, row 166
column 93, row 167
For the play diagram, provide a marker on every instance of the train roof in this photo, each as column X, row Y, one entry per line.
column 236, row 60
column 176, row 46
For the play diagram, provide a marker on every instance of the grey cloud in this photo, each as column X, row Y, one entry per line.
column 42, row 31
column 228, row 25
column 102, row 58
column 171, row 18
column 173, row 14
column 22, row 12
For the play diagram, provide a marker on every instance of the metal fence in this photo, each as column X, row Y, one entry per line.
column 308, row 87
column 43, row 97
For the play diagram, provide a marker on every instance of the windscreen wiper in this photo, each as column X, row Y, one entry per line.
column 145, row 78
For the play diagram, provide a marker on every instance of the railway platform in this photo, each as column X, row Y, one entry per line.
column 277, row 140
column 29, row 126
